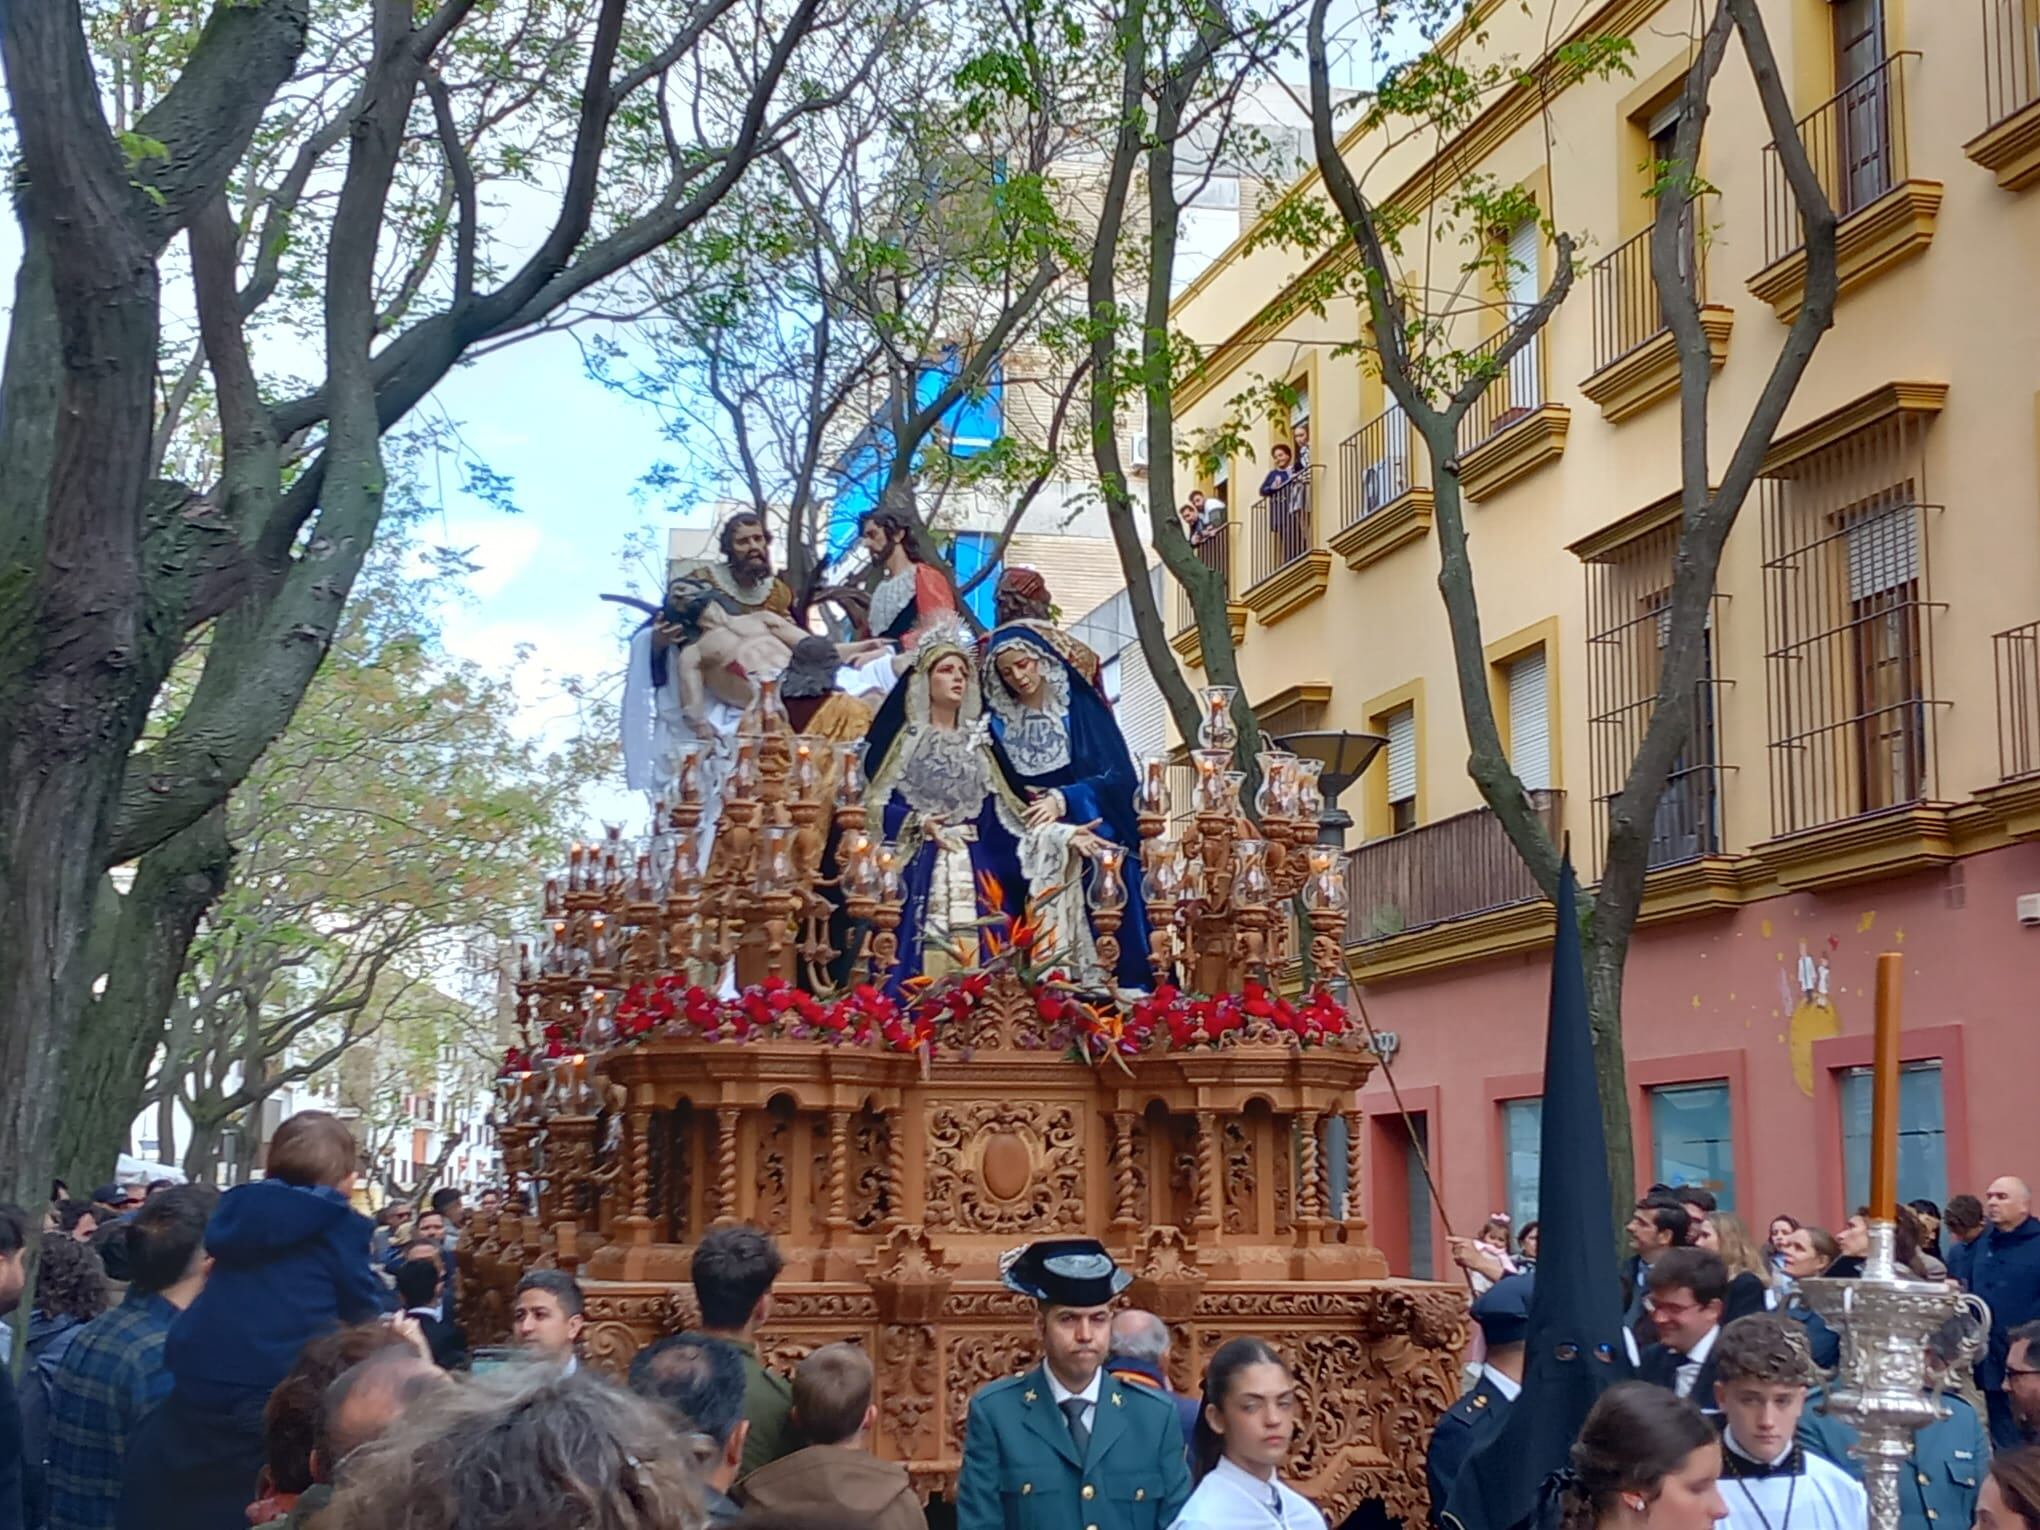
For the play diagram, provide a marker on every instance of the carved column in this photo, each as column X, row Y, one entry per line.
column 1125, row 1182
column 637, row 1223
column 896, row 1168
column 1309, row 1199
column 1356, row 1122
column 726, row 1119
column 1210, row 1185
column 839, row 1175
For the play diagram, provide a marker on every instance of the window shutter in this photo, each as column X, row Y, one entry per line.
column 1529, row 727
column 1524, row 242
column 1402, row 754
column 1884, row 551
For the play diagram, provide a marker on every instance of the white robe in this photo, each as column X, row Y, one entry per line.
column 1232, row 1499
column 1821, row 1497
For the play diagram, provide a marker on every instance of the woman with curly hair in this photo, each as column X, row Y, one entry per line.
column 519, row 1447
column 70, row 1291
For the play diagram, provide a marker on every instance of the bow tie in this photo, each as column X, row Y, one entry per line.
column 1735, row 1464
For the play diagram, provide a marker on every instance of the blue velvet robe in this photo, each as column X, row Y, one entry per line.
column 994, row 853
column 1098, row 784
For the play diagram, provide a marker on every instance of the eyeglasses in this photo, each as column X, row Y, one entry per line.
column 2022, row 1370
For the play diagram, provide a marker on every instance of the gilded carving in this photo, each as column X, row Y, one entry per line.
column 974, row 1359
column 870, row 1151
column 773, row 1168
column 1240, row 1197
column 1000, row 1167
column 906, row 1361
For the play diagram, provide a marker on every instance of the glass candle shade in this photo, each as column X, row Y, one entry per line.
column 1251, row 887
column 687, row 764
column 1108, row 879
column 774, row 863
column 1324, row 884
column 1152, row 799
column 804, row 768
column 1215, row 727
column 1210, row 765
column 888, row 861
column 850, row 775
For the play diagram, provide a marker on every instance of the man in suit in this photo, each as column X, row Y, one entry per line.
column 421, row 1288
column 1065, row 1446
column 1503, row 1312
column 1688, row 1290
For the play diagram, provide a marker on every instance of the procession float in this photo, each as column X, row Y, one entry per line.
column 910, row 999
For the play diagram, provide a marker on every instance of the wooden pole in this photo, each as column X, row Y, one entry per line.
column 1884, row 1094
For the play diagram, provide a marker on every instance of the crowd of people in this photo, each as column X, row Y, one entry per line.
column 274, row 1358
column 1715, row 1317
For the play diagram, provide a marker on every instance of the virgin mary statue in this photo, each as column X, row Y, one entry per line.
column 1056, row 733
column 937, row 789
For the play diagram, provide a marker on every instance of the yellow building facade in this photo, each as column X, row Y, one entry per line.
column 1866, row 766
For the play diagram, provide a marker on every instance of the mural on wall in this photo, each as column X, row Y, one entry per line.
column 1805, row 994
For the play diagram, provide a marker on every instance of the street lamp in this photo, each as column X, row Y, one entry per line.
column 1345, row 758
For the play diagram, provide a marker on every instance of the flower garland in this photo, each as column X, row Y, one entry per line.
column 866, row 1016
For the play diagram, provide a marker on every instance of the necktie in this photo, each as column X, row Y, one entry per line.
column 1073, row 1410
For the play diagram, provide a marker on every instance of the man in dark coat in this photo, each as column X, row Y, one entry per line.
column 1140, row 1357
column 2004, row 1269
column 1503, row 1312
column 1688, row 1293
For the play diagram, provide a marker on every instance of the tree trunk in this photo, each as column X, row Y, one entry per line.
column 1604, row 959
column 174, row 886
column 202, row 1153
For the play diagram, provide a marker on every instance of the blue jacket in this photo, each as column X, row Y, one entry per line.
column 1938, row 1487
column 1957, row 1255
column 1462, row 1427
column 2004, row 1269
column 1145, row 1373
column 288, row 1264
column 1021, row 1470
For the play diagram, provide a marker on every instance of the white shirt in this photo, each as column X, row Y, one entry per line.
column 1689, row 1368
column 1820, row 1496
column 1060, row 1394
column 1232, row 1498
column 437, row 1314
column 1508, row 1387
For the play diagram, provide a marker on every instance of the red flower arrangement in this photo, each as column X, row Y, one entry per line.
column 1208, row 1019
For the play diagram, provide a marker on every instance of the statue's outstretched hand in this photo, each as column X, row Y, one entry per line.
column 1045, row 809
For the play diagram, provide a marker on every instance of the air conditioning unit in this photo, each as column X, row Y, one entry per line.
column 2029, row 909
column 1137, row 451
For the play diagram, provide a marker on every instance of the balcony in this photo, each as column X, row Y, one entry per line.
column 1215, row 551
column 2009, row 145
column 1455, row 868
column 1290, row 566
column 1636, row 359
column 1382, row 506
column 1857, row 143
column 2016, row 797
column 1511, row 430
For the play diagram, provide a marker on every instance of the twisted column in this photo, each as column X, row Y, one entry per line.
column 839, row 1172
column 1125, row 1185
column 726, row 1118
column 1355, row 1123
column 1309, row 1198
column 641, row 1164
column 896, row 1169
column 1210, row 1189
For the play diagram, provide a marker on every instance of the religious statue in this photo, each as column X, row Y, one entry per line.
column 1056, row 734
column 1021, row 598
column 938, row 790
column 653, row 726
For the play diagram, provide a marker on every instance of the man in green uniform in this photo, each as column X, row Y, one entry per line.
column 734, row 1268
column 1065, row 1446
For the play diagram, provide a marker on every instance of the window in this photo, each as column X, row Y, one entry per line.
column 1522, row 1134
column 1861, row 85
column 1629, row 628
column 1690, row 1138
column 968, row 554
column 975, row 421
column 1402, row 770
column 1847, row 628
column 1529, row 724
column 1922, row 1147
column 1417, row 1195
column 1526, row 375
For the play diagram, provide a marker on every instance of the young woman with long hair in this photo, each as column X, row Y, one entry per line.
column 1244, row 1432
column 2010, row 1499
column 1645, row 1457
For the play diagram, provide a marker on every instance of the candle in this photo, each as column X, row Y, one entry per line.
column 1884, row 1095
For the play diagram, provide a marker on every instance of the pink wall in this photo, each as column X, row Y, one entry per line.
column 1719, row 997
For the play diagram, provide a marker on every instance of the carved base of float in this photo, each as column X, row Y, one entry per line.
column 893, row 1184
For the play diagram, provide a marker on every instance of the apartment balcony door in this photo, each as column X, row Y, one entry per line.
column 1526, row 372
column 1864, row 121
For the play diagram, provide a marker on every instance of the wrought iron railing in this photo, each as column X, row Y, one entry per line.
column 1515, row 391
column 1627, row 309
column 1856, row 143
column 1375, row 466
column 1214, row 549
column 1451, row 869
column 2018, row 701
column 2011, row 58
column 1284, row 524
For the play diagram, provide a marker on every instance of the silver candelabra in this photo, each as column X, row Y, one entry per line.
column 1881, row 1387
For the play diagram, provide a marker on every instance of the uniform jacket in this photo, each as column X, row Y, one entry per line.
column 768, row 1404
column 1938, row 1488
column 1021, row 1470
column 841, row 1479
column 2004, row 1269
column 1466, row 1424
